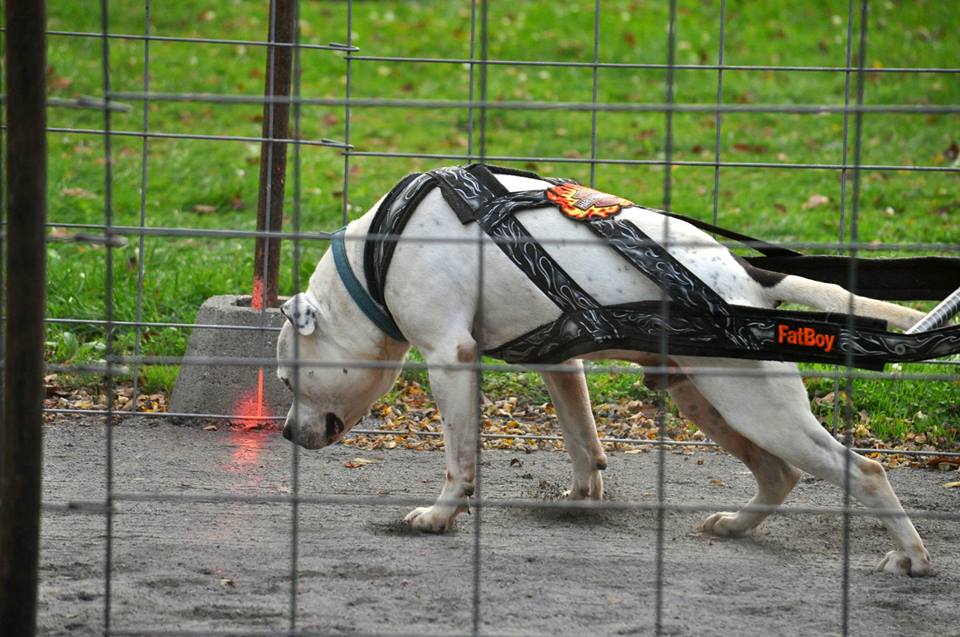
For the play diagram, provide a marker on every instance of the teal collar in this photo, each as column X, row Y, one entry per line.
column 380, row 317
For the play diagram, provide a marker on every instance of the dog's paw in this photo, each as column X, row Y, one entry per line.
column 591, row 489
column 431, row 519
column 723, row 524
column 899, row 563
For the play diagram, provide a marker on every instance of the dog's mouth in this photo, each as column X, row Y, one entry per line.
column 334, row 427
column 315, row 438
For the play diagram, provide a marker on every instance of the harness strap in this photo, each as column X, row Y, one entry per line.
column 680, row 284
column 373, row 311
column 388, row 223
column 763, row 247
column 467, row 189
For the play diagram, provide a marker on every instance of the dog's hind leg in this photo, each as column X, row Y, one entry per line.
column 771, row 409
column 568, row 391
column 775, row 478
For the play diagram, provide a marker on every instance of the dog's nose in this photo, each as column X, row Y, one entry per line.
column 287, row 433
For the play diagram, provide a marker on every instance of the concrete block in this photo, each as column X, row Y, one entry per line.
column 232, row 390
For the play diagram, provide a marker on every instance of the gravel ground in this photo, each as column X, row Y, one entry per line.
column 191, row 565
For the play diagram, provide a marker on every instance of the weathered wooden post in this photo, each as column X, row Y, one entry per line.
column 21, row 433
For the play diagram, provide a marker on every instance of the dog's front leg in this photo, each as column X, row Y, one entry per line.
column 568, row 391
column 456, row 394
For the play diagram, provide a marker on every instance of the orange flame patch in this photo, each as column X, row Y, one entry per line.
column 580, row 202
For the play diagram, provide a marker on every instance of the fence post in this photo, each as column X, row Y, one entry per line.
column 26, row 175
column 273, row 155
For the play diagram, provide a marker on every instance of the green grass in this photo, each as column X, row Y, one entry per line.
column 187, row 176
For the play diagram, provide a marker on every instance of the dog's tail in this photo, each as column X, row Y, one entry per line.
column 829, row 297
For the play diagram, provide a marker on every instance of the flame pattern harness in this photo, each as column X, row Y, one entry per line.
column 693, row 319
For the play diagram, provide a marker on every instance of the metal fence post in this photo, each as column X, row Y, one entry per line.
column 273, row 154
column 26, row 165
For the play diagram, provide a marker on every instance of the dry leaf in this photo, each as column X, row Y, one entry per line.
column 210, row 428
column 204, row 209
column 58, row 83
column 717, row 482
column 358, row 462
column 756, row 149
column 952, row 485
column 78, row 192
column 815, row 200
column 952, row 151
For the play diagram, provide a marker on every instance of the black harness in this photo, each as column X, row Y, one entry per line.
column 693, row 319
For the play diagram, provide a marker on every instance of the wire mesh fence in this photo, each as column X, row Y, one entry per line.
column 678, row 115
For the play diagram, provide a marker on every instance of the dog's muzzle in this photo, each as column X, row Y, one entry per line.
column 334, row 427
column 315, row 437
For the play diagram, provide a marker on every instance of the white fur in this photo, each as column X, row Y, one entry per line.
column 758, row 411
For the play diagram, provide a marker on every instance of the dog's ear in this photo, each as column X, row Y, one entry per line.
column 302, row 311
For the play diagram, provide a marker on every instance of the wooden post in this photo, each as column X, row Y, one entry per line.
column 22, row 416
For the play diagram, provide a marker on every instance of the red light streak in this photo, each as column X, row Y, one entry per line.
column 251, row 423
column 246, row 453
column 251, row 412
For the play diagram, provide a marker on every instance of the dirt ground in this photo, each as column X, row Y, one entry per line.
column 226, row 566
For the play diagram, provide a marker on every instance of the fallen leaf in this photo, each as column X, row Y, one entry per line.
column 516, row 462
column 952, row 485
column 210, row 428
column 78, row 192
column 815, row 200
column 756, row 149
column 204, row 209
column 937, row 462
column 358, row 462
column 55, row 81
column 227, row 581
column 717, row 482
column 952, row 151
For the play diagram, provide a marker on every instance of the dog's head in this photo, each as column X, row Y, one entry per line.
column 330, row 369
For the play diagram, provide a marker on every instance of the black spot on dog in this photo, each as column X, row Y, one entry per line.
column 766, row 278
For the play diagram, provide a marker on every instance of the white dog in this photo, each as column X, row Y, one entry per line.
column 759, row 411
